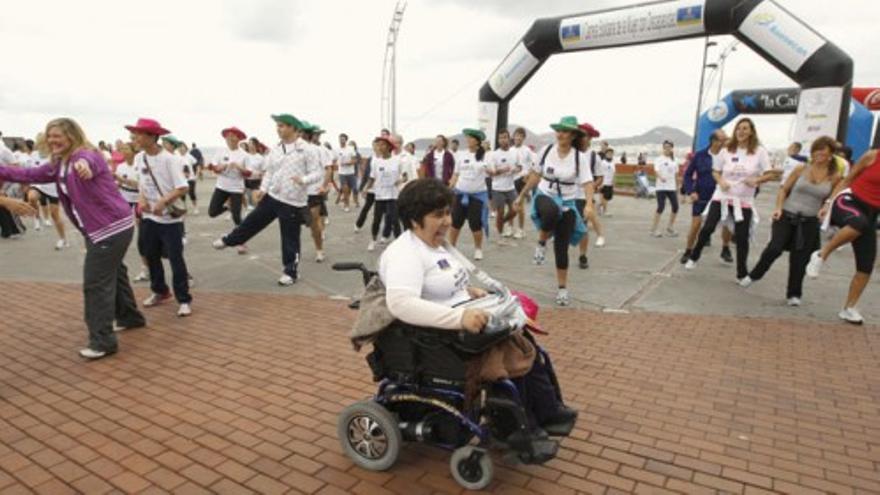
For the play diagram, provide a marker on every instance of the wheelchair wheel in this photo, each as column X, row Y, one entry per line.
column 369, row 435
column 471, row 467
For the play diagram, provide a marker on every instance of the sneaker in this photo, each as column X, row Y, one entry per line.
column 504, row 242
column 142, row 277
column 492, row 214
column 507, row 231
column 156, row 299
column 656, row 233
column 685, row 257
column 851, row 315
column 319, row 257
column 195, row 211
column 815, row 265
column 540, row 256
column 184, row 310
column 357, row 229
column 371, row 246
column 519, row 234
column 92, row 354
column 286, row 280
column 478, row 254
column 242, row 249
column 600, row 241
column 326, row 220
column 47, row 222
column 583, row 262
column 794, row 301
column 562, row 298
column 219, row 244
column 383, row 240
column 61, row 244
column 121, row 328
column 726, row 256
column 690, row 265
column 745, row 282
column 38, row 226
column 671, row 233
column 346, row 209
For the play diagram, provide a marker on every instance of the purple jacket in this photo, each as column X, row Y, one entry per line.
column 95, row 206
column 448, row 166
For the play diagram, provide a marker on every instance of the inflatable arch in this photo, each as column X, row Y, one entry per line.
column 821, row 69
column 870, row 97
column 780, row 101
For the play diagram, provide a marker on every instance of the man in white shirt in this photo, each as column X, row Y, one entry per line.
column 230, row 165
column 409, row 164
column 526, row 158
column 290, row 168
column 311, row 133
column 792, row 160
column 161, row 184
column 503, row 168
column 345, row 157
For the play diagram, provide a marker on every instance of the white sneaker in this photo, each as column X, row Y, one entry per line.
column 671, row 233
column 371, row 246
column 47, row 222
column 478, row 254
column 184, row 241
column 794, row 301
column 815, row 265
column 218, row 244
column 142, row 276
column 242, row 249
column 184, row 310
column 346, row 209
column 384, row 240
column 656, row 233
column 326, row 220
column 851, row 315
column 357, row 230
column 156, row 299
column 61, row 244
column 562, row 298
column 38, row 226
column 89, row 353
column 519, row 234
column 540, row 256
column 745, row 282
column 286, row 280
column 319, row 257
column 507, row 231
column 600, row 242
column 491, row 214
column 690, row 265
column 195, row 211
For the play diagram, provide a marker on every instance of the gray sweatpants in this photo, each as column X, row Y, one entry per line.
column 107, row 291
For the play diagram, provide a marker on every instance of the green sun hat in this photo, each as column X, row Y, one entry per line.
column 475, row 133
column 569, row 123
column 286, row 118
column 307, row 126
column 316, row 129
column 173, row 140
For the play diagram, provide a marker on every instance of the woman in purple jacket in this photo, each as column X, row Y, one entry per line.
column 92, row 201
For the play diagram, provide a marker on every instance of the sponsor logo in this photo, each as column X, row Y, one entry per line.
column 767, row 20
column 749, row 102
column 719, row 112
column 687, row 16
column 570, row 33
column 873, row 99
column 764, row 19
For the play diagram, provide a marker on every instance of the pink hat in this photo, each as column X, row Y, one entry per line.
column 234, row 130
column 117, row 157
column 589, row 130
column 388, row 140
column 530, row 308
column 148, row 126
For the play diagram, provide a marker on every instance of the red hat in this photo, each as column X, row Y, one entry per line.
column 530, row 308
column 234, row 130
column 117, row 157
column 387, row 140
column 148, row 126
column 589, row 130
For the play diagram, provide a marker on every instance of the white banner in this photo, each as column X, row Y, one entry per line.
column 818, row 114
column 633, row 25
column 518, row 64
column 780, row 34
column 487, row 119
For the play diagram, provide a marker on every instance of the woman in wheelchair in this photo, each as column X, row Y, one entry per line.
column 425, row 284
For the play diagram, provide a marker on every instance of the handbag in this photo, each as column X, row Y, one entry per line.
column 173, row 210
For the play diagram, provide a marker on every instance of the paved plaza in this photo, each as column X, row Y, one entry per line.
column 686, row 383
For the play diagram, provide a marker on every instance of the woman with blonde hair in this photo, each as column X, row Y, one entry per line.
column 89, row 196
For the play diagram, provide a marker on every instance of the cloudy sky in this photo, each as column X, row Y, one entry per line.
column 201, row 65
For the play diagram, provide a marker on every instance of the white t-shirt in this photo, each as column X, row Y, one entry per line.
column 255, row 162
column 169, row 174
column 666, row 171
column 230, row 179
column 607, row 169
column 563, row 170
column 526, row 158
column 429, row 273
column 385, row 173
column 471, row 172
column 129, row 172
column 189, row 163
column 325, row 156
column 48, row 188
column 738, row 166
column 346, row 157
column 7, row 157
column 409, row 166
column 438, row 163
column 504, row 159
column 788, row 167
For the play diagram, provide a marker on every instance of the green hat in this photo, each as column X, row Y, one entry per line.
column 316, row 129
column 568, row 123
column 286, row 118
column 173, row 140
column 307, row 126
column 475, row 133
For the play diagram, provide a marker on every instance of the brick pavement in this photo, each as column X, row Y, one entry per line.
column 243, row 397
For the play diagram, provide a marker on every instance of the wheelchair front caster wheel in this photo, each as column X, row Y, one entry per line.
column 369, row 435
column 471, row 467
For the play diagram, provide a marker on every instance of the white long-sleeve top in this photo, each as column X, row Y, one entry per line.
column 286, row 161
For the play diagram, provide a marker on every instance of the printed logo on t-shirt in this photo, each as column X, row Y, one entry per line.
column 444, row 264
column 549, row 170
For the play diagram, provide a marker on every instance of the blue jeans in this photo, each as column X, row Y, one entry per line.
column 160, row 238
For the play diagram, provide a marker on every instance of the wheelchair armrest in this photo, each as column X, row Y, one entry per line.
column 476, row 343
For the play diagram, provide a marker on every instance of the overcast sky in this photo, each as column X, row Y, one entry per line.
column 201, row 65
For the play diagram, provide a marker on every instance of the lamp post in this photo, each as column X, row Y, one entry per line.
column 700, row 95
column 723, row 61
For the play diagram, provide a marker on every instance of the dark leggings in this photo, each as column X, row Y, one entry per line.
column 784, row 237
column 662, row 196
column 740, row 235
column 850, row 211
column 561, row 227
column 365, row 210
column 386, row 208
column 473, row 213
column 191, row 191
column 218, row 204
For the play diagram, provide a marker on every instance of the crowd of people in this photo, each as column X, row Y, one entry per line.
column 142, row 190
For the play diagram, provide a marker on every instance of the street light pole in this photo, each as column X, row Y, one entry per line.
column 706, row 46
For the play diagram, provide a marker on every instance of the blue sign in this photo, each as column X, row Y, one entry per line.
column 571, row 33
column 689, row 15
